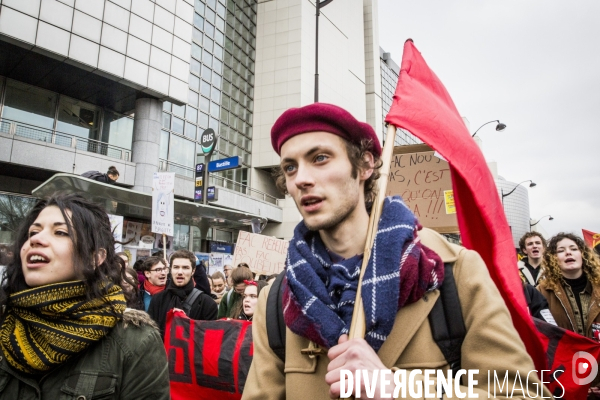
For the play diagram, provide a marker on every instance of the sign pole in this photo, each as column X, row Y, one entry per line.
column 208, row 139
column 205, row 179
column 164, row 235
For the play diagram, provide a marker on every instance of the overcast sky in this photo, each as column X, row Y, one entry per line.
column 534, row 65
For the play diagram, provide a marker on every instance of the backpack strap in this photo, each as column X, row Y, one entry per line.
column 275, row 323
column 446, row 321
column 187, row 306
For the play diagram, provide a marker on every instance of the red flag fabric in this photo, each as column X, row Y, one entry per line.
column 207, row 359
column 423, row 106
column 572, row 361
column 592, row 239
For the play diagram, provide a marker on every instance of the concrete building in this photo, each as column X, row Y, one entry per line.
column 85, row 84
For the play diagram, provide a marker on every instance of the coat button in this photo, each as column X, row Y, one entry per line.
column 80, row 397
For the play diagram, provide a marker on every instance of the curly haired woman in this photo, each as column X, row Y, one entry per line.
column 571, row 284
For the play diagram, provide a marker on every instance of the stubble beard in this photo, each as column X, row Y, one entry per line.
column 340, row 215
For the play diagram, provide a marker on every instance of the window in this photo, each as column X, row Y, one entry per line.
column 117, row 129
column 29, row 104
column 166, row 121
column 177, row 125
column 164, row 145
column 78, row 118
column 181, row 151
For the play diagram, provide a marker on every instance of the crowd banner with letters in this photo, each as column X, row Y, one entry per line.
column 264, row 254
column 163, row 202
column 207, row 359
column 423, row 180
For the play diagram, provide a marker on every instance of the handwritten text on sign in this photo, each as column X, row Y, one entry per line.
column 264, row 254
column 423, row 181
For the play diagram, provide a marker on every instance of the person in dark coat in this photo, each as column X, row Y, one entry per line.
column 109, row 177
column 183, row 266
column 200, row 276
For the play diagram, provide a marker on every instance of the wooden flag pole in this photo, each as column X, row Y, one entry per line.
column 164, row 235
column 358, row 325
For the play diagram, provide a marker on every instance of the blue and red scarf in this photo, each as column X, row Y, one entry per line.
column 319, row 293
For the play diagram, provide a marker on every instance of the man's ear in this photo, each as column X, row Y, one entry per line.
column 147, row 274
column 100, row 257
column 365, row 173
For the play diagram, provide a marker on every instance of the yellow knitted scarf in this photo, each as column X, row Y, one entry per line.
column 45, row 326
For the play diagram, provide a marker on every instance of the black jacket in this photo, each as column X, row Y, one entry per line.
column 203, row 308
column 538, row 306
column 201, row 278
column 98, row 176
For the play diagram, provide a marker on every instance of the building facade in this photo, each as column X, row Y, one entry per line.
column 86, row 84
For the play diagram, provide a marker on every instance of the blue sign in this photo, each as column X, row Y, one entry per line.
column 225, row 163
column 221, row 248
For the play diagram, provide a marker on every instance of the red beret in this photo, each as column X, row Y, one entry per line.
column 322, row 117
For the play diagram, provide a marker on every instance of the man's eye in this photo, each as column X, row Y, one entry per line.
column 320, row 158
column 288, row 169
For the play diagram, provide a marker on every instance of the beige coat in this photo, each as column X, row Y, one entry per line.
column 491, row 342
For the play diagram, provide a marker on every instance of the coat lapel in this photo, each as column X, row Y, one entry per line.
column 408, row 320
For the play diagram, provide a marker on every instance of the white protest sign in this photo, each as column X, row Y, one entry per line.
column 264, row 254
column 163, row 202
column 116, row 226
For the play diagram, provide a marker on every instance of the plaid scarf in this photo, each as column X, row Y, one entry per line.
column 45, row 326
column 319, row 293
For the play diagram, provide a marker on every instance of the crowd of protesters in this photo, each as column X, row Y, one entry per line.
column 76, row 321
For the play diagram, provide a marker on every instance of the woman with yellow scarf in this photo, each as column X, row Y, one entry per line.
column 64, row 328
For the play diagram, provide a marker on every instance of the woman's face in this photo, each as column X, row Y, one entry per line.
column 250, row 299
column 569, row 258
column 47, row 256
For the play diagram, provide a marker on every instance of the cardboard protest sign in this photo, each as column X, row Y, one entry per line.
column 264, row 254
column 207, row 359
column 423, row 180
column 163, row 202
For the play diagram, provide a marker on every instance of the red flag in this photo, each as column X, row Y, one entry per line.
column 423, row 106
column 207, row 359
column 592, row 239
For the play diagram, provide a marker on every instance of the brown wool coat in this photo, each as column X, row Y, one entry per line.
column 563, row 313
column 491, row 342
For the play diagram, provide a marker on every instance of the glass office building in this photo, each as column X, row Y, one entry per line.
column 221, row 92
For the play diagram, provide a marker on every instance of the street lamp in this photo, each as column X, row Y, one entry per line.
column 550, row 218
column 499, row 127
column 319, row 4
column 531, row 184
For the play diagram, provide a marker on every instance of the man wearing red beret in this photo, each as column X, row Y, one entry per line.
column 329, row 164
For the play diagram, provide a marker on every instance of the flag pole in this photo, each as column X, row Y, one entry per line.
column 358, row 325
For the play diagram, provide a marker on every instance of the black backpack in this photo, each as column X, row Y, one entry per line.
column 446, row 320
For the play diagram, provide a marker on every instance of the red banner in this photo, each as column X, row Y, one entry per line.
column 207, row 359
column 572, row 361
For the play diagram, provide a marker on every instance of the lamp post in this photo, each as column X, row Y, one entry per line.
column 550, row 218
column 531, row 184
column 319, row 4
column 499, row 127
